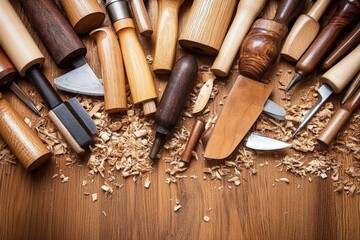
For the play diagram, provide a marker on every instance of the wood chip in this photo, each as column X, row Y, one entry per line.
column 206, row 218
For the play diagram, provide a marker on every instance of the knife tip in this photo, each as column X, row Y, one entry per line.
column 293, row 82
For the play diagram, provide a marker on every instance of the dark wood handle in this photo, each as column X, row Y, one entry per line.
column 7, row 69
column 54, row 30
column 353, row 103
column 347, row 13
column 288, row 10
column 193, row 140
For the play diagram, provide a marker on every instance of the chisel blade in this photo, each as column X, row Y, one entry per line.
column 258, row 141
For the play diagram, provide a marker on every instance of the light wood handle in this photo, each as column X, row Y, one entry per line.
column 141, row 17
column 16, row 40
column 112, row 68
column 207, row 25
column 84, row 15
column 167, row 34
column 139, row 75
column 340, row 74
column 23, row 141
column 247, row 11
column 318, row 9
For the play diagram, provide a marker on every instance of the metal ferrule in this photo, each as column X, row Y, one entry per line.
column 117, row 9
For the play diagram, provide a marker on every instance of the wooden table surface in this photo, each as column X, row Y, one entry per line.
column 37, row 206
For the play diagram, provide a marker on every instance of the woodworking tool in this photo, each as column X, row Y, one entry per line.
column 112, row 69
column 354, row 86
column 23, row 142
column 141, row 82
column 69, row 117
column 246, row 13
column 339, row 119
column 334, row 80
column 166, row 37
column 84, row 15
column 7, row 75
column 171, row 104
column 258, row 141
column 193, row 140
column 347, row 13
column 142, row 18
column 303, row 32
column 64, row 46
column 206, row 26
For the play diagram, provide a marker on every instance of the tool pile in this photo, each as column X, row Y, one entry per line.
column 121, row 137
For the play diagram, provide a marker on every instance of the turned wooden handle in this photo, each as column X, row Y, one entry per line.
column 343, row 48
column 7, row 69
column 84, row 15
column 112, row 68
column 54, row 31
column 167, row 34
column 141, row 17
column 23, row 142
column 288, row 10
column 193, row 140
column 318, row 9
column 247, row 11
column 347, row 13
column 339, row 119
column 340, row 74
column 16, row 40
column 206, row 25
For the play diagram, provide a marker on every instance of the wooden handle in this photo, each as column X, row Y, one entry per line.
column 340, row 75
column 84, row 15
column 339, row 119
column 141, row 17
column 7, row 69
column 288, row 10
column 193, row 140
column 55, row 31
column 318, row 9
column 343, row 48
column 354, row 86
column 23, row 142
column 167, row 34
column 247, row 11
column 206, row 25
column 16, row 40
column 112, row 68
column 347, row 13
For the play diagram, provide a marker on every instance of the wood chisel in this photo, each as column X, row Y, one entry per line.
column 167, row 35
column 64, row 46
column 247, row 97
column 7, row 75
column 141, row 16
column 23, row 142
column 141, row 82
column 347, row 13
column 69, row 117
column 169, row 110
column 334, row 80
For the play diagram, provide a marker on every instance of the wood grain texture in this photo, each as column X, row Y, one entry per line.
column 288, row 10
column 142, row 19
column 7, row 69
column 46, row 208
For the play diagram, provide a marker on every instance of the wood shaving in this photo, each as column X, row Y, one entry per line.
column 94, row 197
column 147, row 183
column 206, row 218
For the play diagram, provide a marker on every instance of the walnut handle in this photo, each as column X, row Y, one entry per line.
column 84, row 15
column 288, row 10
column 54, row 31
column 112, row 68
column 166, row 39
column 142, row 18
column 23, row 141
column 7, row 69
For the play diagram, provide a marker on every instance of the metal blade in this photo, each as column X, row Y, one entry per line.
column 81, row 80
column 258, row 141
column 274, row 110
column 23, row 96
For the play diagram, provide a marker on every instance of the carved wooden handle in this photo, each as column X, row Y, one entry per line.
column 7, row 69
column 318, row 9
column 288, row 10
column 193, row 140
column 112, row 68
column 84, row 15
column 141, row 17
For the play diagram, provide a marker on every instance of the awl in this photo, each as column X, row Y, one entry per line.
column 335, row 80
column 64, row 46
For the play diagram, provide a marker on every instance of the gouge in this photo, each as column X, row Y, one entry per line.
column 166, row 37
column 171, row 104
column 84, row 15
column 23, row 141
column 69, row 117
column 334, row 80
column 303, row 32
column 142, row 18
column 7, row 75
column 347, row 13
column 141, row 82
column 339, row 119
column 247, row 11
column 64, row 46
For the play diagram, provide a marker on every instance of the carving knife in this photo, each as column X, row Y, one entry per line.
column 261, row 142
